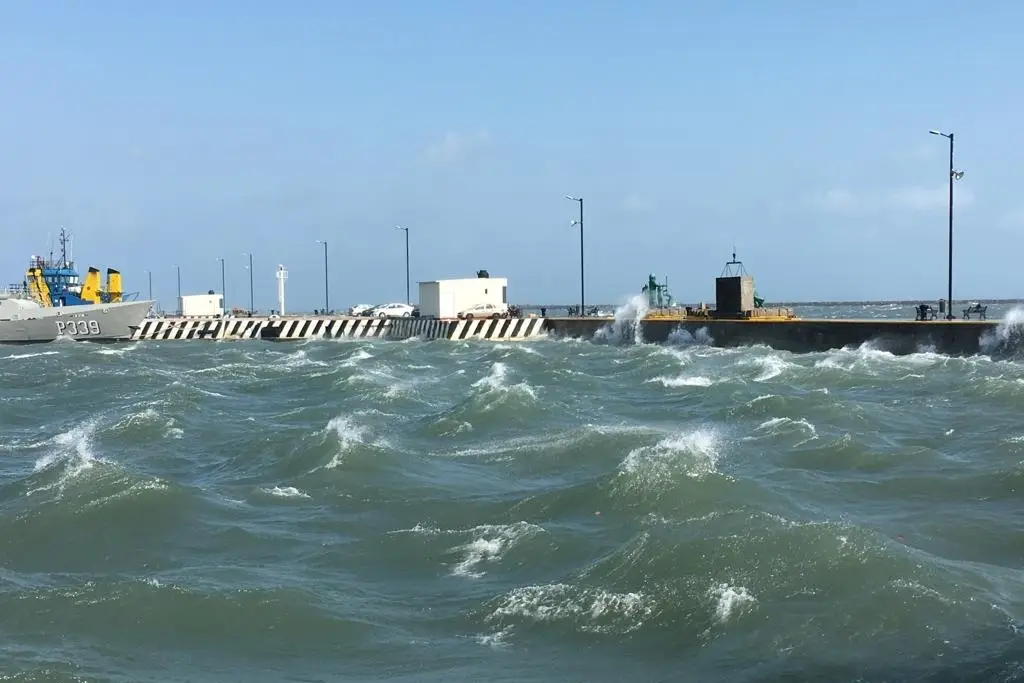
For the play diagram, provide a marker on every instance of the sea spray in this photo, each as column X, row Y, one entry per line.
column 626, row 327
column 1008, row 337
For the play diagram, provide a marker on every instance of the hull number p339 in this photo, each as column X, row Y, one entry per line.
column 78, row 328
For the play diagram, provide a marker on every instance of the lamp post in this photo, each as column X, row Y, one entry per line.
column 399, row 227
column 179, row 288
column 252, row 305
column 953, row 175
column 223, row 295
column 150, row 274
column 327, row 299
column 579, row 222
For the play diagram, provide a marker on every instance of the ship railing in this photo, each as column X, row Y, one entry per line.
column 14, row 290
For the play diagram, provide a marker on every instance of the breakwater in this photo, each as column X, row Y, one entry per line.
column 335, row 327
column 956, row 337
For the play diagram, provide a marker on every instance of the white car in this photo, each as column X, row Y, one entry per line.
column 359, row 309
column 485, row 311
column 392, row 311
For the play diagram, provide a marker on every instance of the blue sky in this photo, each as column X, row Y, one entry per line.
column 165, row 133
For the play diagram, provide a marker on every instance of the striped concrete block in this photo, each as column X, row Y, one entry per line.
column 425, row 328
column 158, row 329
column 290, row 329
column 501, row 329
column 326, row 328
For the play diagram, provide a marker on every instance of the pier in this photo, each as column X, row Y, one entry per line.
column 296, row 328
column 954, row 337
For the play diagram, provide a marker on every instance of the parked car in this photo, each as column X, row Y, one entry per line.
column 359, row 309
column 484, row 311
column 394, row 310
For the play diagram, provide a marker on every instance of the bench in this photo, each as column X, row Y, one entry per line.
column 975, row 308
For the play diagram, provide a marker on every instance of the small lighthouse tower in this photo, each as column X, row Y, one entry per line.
column 281, row 276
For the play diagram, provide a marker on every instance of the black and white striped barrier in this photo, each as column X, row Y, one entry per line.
column 324, row 328
column 501, row 329
column 293, row 329
column 159, row 329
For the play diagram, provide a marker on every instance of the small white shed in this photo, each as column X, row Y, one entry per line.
column 445, row 298
column 201, row 305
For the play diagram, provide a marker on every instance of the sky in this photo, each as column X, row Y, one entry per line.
column 171, row 134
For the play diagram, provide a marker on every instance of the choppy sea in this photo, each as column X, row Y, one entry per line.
column 537, row 511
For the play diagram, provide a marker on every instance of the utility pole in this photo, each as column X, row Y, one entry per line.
column 579, row 222
column 223, row 294
column 327, row 298
column 252, row 305
column 953, row 175
column 407, row 297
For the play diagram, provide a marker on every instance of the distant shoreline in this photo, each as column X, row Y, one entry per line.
column 887, row 302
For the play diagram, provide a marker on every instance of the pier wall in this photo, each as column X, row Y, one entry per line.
column 897, row 336
column 336, row 327
column 957, row 337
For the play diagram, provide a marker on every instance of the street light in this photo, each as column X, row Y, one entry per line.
column 953, row 175
column 399, row 227
column 579, row 222
column 327, row 299
column 150, row 274
column 179, row 289
column 223, row 295
column 252, row 306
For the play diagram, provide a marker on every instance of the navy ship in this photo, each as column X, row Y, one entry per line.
column 54, row 302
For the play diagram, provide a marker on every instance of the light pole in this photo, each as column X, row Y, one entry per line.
column 179, row 288
column 150, row 274
column 223, row 295
column 327, row 298
column 953, row 175
column 399, row 227
column 579, row 222
column 252, row 306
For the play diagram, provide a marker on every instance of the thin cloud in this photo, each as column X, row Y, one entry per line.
column 841, row 201
column 930, row 199
column 836, row 200
column 1012, row 220
column 454, row 146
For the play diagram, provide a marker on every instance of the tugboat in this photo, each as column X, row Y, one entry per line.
column 54, row 302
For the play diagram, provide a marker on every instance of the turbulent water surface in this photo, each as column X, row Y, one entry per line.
column 539, row 511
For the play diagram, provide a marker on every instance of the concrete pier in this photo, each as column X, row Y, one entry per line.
column 294, row 328
column 954, row 337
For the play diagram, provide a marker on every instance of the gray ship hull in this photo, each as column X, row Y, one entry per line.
column 99, row 322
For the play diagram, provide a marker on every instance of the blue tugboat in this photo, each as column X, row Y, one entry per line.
column 56, row 282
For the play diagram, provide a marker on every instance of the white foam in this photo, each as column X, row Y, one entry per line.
column 349, row 435
column 285, row 492
column 695, row 452
column 683, row 381
column 782, row 425
column 592, row 610
column 73, row 449
column 489, row 544
column 15, row 356
column 496, row 382
column 730, row 601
